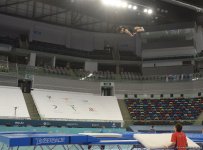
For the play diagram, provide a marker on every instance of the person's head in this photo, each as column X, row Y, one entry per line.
column 178, row 127
column 121, row 29
column 152, row 127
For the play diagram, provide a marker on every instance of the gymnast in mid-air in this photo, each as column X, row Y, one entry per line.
column 125, row 30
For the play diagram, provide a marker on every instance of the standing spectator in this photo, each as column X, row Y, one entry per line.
column 152, row 130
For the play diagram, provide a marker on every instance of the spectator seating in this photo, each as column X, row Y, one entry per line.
column 102, row 75
column 129, row 76
column 57, row 70
column 163, row 111
column 11, row 98
column 109, row 75
column 61, row 105
column 81, row 73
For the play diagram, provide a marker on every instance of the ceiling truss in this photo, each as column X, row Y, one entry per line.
column 40, row 10
column 80, row 15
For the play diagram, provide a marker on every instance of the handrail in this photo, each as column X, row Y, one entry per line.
column 22, row 70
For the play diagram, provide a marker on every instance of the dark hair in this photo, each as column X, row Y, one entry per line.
column 120, row 28
column 178, row 127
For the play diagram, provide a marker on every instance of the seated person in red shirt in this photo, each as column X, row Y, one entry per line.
column 178, row 139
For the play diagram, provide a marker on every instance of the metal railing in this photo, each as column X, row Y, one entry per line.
column 25, row 71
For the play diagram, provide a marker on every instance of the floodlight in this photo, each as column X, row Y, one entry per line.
column 124, row 4
column 134, row 7
column 117, row 3
column 130, row 6
column 149, row 11
column 145, row 10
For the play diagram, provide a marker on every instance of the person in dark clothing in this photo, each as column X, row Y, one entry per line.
column 152, row 130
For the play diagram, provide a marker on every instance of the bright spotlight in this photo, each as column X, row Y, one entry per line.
column 134, row 7
column 149, row 11
column 130, row 6
column 112, row 2
column 117, row 3
column 145, row 10
column 124, row 4
column 106, row 2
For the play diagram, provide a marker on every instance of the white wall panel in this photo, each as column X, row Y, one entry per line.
column 76, row 106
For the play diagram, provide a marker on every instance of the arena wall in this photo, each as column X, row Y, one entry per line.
column 169, row 70
column 121, row 88
column 66, row 36
column 169, row 52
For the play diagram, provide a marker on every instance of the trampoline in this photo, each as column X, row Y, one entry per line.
column 43, row 140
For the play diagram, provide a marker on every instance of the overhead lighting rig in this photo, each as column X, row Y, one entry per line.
column 127, row 5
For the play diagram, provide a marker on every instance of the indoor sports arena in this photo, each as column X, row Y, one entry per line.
column 101, row 75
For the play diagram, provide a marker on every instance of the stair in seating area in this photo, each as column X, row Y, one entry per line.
column 34, row 115
column 199, row 120
column 125, row 113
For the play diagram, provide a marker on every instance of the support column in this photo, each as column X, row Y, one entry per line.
column 54, row 61
column 198, row 39
column 117, row 68
column 32, row 59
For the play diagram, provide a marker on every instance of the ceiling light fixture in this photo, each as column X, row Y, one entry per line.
column 134, row 7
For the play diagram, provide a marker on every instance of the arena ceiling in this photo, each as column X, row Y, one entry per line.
column 92, row 15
